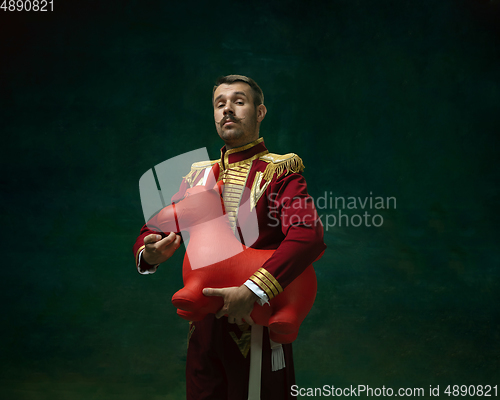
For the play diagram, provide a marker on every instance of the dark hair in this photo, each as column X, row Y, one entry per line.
column 257, row 94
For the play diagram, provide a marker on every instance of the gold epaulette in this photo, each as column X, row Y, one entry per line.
column 196, row 169
column 278, row 164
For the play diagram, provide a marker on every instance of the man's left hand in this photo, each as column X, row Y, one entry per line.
column 238, row 303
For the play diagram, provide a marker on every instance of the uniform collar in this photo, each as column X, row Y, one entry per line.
column 244, row 154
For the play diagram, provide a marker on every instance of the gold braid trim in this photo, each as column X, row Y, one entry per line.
column 263, row 286
column 266, row 282
column 244, row 342
column 278, row 164
column 196, row 169
column 271, row 278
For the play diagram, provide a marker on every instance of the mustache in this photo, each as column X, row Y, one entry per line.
column 229, row 117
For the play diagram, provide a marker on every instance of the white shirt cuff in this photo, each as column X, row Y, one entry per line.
column 145, row 271
column 263, row 298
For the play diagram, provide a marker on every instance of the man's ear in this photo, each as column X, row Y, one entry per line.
column 261, row 112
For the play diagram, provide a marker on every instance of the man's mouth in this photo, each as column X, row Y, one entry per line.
column 228, row 121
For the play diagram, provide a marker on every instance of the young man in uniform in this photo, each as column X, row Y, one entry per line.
column 273, row 187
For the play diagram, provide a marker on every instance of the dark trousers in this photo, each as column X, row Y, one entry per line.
column 218, row 363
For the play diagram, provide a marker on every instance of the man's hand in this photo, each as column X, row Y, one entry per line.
column 159, row 250
column 238, row 303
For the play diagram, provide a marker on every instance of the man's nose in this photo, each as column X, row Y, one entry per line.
column 228, row 108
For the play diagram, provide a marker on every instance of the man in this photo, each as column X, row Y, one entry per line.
column 254, row 181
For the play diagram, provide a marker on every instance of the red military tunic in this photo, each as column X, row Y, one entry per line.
column 272, row 186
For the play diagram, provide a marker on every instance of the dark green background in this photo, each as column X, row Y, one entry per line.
column 397, row 98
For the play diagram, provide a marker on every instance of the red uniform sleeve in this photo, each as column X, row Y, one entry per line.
column 303, row 230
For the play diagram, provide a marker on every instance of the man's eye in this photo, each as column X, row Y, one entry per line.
column 239, row 102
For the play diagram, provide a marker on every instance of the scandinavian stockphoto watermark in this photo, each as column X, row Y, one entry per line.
column 159, row 190
column 331, row 211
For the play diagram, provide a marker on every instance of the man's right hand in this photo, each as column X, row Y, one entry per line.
column 159, row 250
